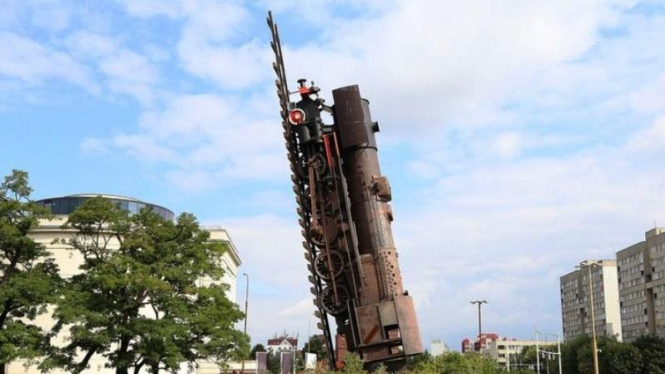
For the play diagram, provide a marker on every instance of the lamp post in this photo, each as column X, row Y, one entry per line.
column 588, row 264
column 242, row 368
column 480, row 319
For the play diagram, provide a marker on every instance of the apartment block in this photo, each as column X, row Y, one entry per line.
column 575, row 301
column 506, row 352
column 641, row 269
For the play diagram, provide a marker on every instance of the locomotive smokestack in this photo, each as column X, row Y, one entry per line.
column 361, row 167
column 383, row 297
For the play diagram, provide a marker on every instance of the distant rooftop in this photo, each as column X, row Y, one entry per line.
column 65, row 205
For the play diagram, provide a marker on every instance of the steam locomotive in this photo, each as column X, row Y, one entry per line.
column 345, row 216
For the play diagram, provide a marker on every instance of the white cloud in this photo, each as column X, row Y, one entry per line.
column 506, row 231
column 53, row 15
column 26, row 60
column 93, row 146
column 151, row 8
column 649, row 140
column 650, row 97
column 273, row 258
column 141, row 147
column 431, row 64
column 499, row 109
column 207, row 139
column 507, row 145
column 86, row 44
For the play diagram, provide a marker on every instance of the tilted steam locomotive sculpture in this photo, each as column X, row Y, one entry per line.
column 345, row 218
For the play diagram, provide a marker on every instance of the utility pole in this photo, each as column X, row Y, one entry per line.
column 588, row 264
column 558, row 351
column 480, row 320
column 242, row 369
column 537, row 352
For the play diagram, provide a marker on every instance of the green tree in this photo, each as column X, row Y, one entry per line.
column 273, row 361
column 412, row 362
column 28, row 275
column 257, row 348
column 570, row 352
column 613, row 357
column 619, row 358
column 138, row 300
column 316, row 345
column 352, row 364
column 652, row 350
column 457, row 363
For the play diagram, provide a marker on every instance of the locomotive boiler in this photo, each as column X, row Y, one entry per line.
column 345, row 216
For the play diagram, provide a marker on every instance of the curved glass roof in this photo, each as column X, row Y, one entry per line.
column 66, row 204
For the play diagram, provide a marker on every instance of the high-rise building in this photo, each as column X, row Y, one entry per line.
column 575, row 301
column 641, row 269
column 69, row 261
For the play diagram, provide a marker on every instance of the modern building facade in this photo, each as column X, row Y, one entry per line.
column 575, row 301
column 69, row 261
column 642, row 286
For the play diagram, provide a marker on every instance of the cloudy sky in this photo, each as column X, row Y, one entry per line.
column 520, row 136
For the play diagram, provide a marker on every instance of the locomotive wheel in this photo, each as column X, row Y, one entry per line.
column 331, row 233
column 328, row 302
column 321, row 265
column 326, row 200
column 319, row 163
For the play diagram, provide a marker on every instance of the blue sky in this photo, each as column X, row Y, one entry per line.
column 520, row 137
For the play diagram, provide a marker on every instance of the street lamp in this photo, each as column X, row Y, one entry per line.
column 588, row 264
column 480, row 321
column 242, row 369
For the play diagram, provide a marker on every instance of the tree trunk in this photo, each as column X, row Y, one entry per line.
column 138, row 366
column 122, row 367
column 155, row 368
column 84, row 363
column 5, row 312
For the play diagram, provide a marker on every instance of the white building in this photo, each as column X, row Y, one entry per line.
column 69, row 261
column 575, row 301
column 506, row 351
column 437, row 348
column 282, row 344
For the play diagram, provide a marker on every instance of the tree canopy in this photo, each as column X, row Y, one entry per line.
column 316, row 345
column 28, row 274
column 140, row 300
column 257, row 348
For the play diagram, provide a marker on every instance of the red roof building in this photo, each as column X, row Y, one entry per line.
column 481, row 342
column 282, row 344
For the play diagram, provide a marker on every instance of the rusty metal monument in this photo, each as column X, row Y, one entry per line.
column 345, row 215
